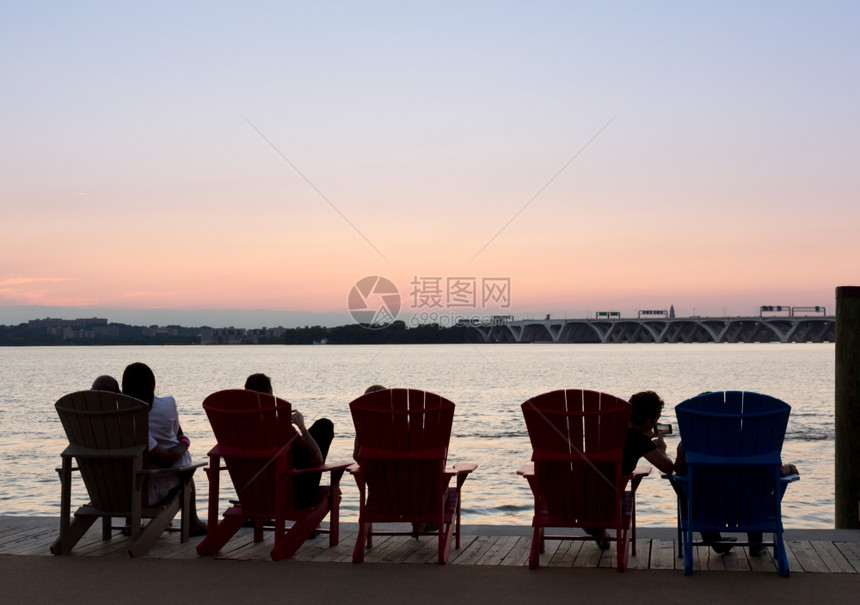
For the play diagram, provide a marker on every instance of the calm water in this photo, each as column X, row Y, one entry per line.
column 487, row 382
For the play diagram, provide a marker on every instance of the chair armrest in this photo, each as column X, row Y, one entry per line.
column 325, row 468
column 790, row 478
column 635, row 478
column 641, row 471
column 527, row 470
column 171, row 469
column 463, row 468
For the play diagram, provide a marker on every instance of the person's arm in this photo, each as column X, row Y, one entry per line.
column 658, row 456
column 660, row 460
column 166, row 457
column 316, row 453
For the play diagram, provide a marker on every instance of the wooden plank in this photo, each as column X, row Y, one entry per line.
column 498, row 551
column 807, row 557
column 643, row 555
column 179, row 550
column 832, row 557
column 428, row 551
column 115, row 547
column 851, row 552
column 710, row 560
column 662, row 554
column 793, row 563
column 244, row 538
column 313, row 547
column 589, row 555
column 764, row 563
column 609, row 558
column 549, row 549
column 247, row 550
column 403, row 546
column 736, row 560
column 701, row 555
column 13, row 543
column 37, row 545
column 566, row 554
column 341, row 553
column 12, row 536
column 519, row 554
column 474, row 552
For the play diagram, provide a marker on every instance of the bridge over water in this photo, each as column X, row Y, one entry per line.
column 680, row 329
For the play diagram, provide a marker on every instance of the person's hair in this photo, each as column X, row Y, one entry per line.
column 105, row 383
column 260, row 383
column 373, row 388
column 646, row 405
column 138, row 381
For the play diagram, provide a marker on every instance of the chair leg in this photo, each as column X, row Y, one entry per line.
column 72, row 534
column 688, row 553
column 446, row 531
column 781, row 555
column 360, row 540
column 218, row 534
column 334, row 517
column 287, row 544
column 622, row 543
column 147, row 538
column 537, row 546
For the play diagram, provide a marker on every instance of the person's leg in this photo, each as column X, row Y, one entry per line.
column 715, row 536
column 323, row 433
column 757, row 549
column 601, row 538
column 307, row 486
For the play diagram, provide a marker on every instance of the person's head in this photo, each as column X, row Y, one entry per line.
column 373, row 388
column 260, row 383
column 105, row 383
column 647, row 407
column 138, row 381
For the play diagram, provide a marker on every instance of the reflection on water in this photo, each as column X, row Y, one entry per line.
column 487, row 382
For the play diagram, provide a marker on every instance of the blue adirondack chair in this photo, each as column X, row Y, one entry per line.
column 733, row 441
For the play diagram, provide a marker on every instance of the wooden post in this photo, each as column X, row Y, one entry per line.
column 847, row 413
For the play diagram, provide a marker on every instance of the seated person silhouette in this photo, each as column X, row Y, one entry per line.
column 310, row 448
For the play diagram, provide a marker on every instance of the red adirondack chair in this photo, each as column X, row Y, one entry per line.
column 578, row 440
column 402, row 437
column 254, row 434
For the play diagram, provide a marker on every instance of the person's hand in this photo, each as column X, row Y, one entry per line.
column 660, row 443
column 298, row 419
column 788, row 469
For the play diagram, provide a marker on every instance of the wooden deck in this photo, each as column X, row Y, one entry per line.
column 830, row 554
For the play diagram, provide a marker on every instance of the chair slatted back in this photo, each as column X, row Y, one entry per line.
column 255, row 437
column 733, row 442
column 577, row 439
column 108, row 433
column 403, row 437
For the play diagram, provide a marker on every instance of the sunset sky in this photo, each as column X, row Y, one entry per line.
column 160, row 159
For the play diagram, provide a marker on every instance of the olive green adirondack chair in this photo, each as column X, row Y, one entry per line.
column 108, row 437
